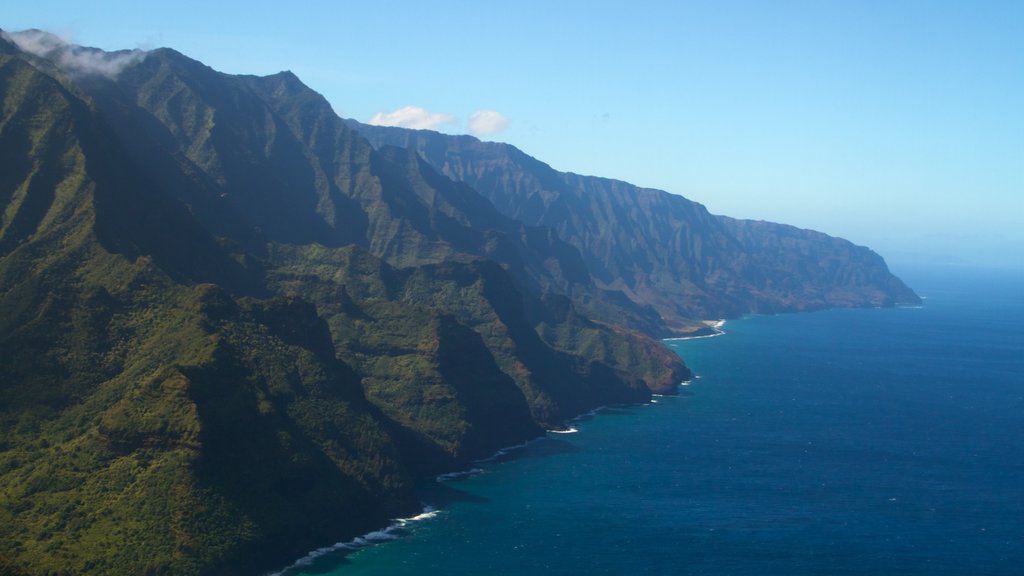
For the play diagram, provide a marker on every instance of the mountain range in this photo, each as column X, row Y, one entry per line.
column 235, row 327
column 659, row 249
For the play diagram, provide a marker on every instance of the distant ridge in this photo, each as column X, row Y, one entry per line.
column 660, row 249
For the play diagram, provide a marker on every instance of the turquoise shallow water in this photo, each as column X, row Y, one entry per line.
column 836, row 442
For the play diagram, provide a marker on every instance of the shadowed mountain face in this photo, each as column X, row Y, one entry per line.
column 232, row 331
column 660, row 249
column 272, row 162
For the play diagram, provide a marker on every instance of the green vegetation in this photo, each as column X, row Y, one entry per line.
column 655, row 251
column 232, row 331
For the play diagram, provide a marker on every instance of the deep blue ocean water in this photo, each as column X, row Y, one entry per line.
column 885, row 441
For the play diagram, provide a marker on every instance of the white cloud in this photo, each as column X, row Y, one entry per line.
column 412, row 117
column 487, row 122
column 71, row 58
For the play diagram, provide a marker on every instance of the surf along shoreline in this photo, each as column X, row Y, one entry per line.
column 711, row 329
column 400, row 527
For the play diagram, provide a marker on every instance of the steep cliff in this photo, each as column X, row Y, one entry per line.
column 232, row 331
column 660, row 249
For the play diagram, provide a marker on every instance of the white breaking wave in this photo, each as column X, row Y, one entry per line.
column 717, row 333
column 396, row 530
column 429, row 512
column 716, row 326
column 460, row 475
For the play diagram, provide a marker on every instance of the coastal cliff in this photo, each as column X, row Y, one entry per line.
column 233, row 330
column 659, row 249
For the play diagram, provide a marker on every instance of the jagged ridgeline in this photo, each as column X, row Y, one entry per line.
column 658, row 249
column 232, row 331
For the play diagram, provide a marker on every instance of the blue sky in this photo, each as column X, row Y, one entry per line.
column 896, row 124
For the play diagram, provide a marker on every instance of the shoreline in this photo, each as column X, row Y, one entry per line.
column 398, row 527
column 393, row 531
column 714, row 325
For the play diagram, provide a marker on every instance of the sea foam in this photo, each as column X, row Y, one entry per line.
column 395, row 530
column 715, row 326
column 460, row 475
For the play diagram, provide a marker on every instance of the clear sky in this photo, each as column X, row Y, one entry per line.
column 898, row 124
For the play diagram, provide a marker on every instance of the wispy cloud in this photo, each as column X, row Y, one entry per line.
column 487, row 122
column 412, row 117
column 71, row 58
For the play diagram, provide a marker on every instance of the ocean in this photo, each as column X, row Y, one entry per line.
column 871, row 441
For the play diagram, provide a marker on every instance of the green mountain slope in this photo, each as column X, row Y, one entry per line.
column 310, row 163
column 152, row 422
column 301, row 175
column 661, row 249
column 231, row 331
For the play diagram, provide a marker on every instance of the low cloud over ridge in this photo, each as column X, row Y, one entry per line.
column 412, row 117
column 71, row 58
column 481, row 122
column 487, row 122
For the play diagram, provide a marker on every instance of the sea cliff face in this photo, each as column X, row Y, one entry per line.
column 234, row 330
column 659, row 249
